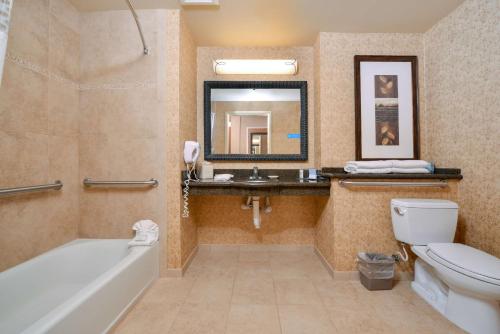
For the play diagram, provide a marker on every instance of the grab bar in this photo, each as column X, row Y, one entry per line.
column 57, row 185
column 439, row 184
column 150, row 183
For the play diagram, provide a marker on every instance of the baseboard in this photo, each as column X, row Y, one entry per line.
column 353, row 275
column 190, row 258
column 179, row 272
column 325, row 263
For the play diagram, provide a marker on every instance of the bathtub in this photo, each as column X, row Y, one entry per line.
column 84, row 286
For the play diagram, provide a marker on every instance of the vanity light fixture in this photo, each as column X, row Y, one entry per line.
column 199, row 2
column 256, row 66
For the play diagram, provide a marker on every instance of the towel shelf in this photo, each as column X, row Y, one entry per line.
column 438, row 184
column 57, row 185
column 148, row 183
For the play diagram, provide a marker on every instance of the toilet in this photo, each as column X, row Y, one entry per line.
column 461, row 282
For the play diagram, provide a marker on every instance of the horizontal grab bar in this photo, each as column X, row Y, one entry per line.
column 439, row 184
column 57, row 185
column 150, row 183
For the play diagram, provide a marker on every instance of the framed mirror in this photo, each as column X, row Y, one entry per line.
column 255, row 120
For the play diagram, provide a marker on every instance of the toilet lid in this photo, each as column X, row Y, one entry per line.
column 467, row 260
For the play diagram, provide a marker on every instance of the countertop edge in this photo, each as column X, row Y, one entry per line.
column 439, row 174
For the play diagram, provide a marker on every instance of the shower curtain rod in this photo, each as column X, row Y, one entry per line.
column 136, row 18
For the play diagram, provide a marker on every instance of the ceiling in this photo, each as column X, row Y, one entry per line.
column 292, row 22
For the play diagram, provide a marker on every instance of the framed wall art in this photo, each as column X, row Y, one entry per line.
column 386, row 107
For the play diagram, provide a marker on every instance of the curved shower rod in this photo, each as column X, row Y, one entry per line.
column 136, row 18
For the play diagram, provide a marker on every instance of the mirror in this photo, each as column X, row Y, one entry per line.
column 256, row 120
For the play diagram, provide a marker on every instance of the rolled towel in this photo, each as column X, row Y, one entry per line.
column 372, row 171
column 376, row 164
column 410, row 170
column 145, row 225
column 412, row 164
column 147, row 233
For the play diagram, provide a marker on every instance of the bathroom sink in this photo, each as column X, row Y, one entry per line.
column 257, row 181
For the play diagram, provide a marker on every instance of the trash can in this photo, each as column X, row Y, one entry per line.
column 376, row 271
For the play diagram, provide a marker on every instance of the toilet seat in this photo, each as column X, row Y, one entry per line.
column 466, row 260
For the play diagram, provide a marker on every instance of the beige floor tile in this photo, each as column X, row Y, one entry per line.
column 337, row 293
column 253, row 319
column 254, row 256
column 252, row 285
column 304, row 269
column 357, row 318
column 305, row 319
column 296, row 292
column 211, row 291
column 148, row 318
column 200, row 319
column 255, row 270
column 169, row 291
column 254, row 290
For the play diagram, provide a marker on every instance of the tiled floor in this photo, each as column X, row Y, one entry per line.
column 266, row 289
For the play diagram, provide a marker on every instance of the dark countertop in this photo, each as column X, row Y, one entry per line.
column 439, row 174
column 288, row 184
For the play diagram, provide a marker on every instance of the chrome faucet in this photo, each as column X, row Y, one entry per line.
column 255, row 174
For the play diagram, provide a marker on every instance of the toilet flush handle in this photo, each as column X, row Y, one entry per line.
column 399, row 211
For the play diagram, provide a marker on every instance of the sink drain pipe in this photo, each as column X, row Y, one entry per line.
column 256, row 212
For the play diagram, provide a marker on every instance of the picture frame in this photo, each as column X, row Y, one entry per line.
column 386, row 107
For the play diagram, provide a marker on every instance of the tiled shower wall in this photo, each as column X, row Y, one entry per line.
column 92, row 105
column 133, row 109
column 39, row 128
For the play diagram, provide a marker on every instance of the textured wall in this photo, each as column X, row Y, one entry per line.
column 337, row 51
column 306, row 72
column 235, row 225
column 123, row 121
column 362, row 220
column 187, row 111
column 221, row 220
column 462, row 55
column 357, row 220
column 39, row 128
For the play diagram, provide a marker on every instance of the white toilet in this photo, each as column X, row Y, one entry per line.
column 461, row 282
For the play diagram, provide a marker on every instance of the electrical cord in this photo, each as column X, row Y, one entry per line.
column 189, row 171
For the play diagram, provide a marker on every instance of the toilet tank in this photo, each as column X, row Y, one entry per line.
column 423, row 221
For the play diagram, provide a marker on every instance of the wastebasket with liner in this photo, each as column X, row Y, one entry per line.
column 376, row 271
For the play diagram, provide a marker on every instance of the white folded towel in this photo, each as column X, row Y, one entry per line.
column 410, row 170
column 376, row 164
column 388, row 166
column 372, row 171
column 146, row 233
column 412, row 164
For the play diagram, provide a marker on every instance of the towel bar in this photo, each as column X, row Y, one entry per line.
column 57, row 185
column 149, row 183
column 439, row 184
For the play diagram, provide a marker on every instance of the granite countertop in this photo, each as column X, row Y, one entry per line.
column 287, row 184
column 439, row 174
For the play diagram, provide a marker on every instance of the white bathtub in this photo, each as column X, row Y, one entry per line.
column 81, row 287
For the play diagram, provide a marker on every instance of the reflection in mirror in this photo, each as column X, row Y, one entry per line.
column 255, row 121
